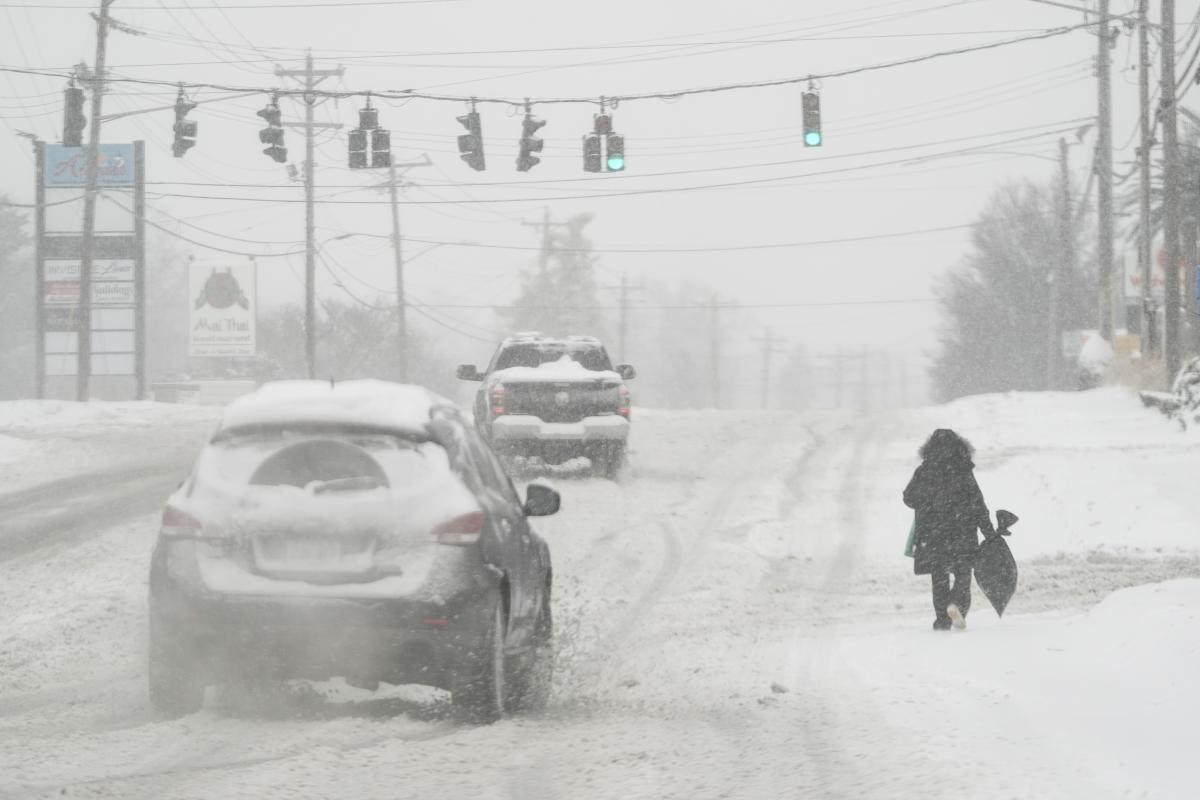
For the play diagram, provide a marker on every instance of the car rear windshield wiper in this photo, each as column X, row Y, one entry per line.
column 357, row 484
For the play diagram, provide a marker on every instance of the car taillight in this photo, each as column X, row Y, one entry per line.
column 177, row 524
column 460, row 530
column 497, row 400
column 623, row 400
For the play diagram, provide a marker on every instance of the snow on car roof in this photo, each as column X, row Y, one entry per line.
column 367, row 403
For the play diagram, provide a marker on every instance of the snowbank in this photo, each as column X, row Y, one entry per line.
column 1107, row 698
column 47, row 417
column 1084, row 471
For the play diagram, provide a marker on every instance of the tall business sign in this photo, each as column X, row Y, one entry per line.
column 117, row 298
column 224, row 308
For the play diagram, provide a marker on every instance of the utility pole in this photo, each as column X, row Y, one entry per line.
column 547, row 245
column 401, row 313
column 1063, row 265
column 714, row 328
column 1104, row 169
column 84, row 372
column 312, row 77
column 624, row 290
column 769, row 348
column 1170, row 147
column 397, row 253
column 1145, row 265
column 544, row 255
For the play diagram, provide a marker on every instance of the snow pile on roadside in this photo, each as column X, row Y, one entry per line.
column 1107, row 697
column 1085, row 471
column 13, row 449
column 49, row 417
column 45, row 440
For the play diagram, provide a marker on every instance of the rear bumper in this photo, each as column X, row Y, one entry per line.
column 420, row 639
column 524, row 428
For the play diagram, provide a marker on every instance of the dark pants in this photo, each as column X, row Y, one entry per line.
column 943, row 595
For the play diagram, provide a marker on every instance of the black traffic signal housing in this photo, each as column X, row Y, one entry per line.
column 272, row 135
column 810, row 108
column 185, row 129
column 380, row 141
column 358, row 149
column 529, row 144
column 381, row 148
column 470, row 144
column 73, row 119
column 614, row 161
column 592, row 158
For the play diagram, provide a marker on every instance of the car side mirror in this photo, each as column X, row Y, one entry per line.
column 541, row 500
column 626, row 371
column 468, row 372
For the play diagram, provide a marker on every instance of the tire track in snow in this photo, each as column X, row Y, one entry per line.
column 70, row 510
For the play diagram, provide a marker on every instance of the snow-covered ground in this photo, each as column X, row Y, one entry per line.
column 734, row 620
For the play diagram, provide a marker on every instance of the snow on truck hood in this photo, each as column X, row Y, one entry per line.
column 367, row 403
column 564, row 369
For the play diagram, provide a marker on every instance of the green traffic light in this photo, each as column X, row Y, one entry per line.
column 812, row 139
column 616, row 162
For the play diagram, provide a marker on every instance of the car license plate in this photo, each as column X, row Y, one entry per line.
column 313, row 551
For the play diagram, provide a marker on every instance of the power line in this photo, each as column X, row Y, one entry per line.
column 625, row 193
column 238, row 7
column 611, row 99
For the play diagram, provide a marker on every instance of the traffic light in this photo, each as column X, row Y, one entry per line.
column 380, row 141
column 810, row 103
column 272, row 135
column 368, row 118
column 185, row 129
column 615, row 162
column 470, row 144
column 591, row 152
column 358, row 149
column 530, row 144
column 73, row 119
column 381, row 148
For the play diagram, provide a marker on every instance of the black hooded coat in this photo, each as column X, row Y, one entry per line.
column 950, row 508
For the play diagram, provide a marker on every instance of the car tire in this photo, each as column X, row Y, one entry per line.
column 530, row 687
column 176, row 681
column 480, row 687
column 609, row 459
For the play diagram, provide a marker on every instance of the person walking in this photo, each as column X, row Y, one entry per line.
column 949, row 511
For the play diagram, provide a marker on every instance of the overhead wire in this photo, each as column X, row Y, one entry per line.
column 615, row 98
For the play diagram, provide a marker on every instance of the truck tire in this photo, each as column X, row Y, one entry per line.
column 608, row 459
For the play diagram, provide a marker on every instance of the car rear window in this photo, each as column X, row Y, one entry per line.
column 533, row 355
column 297, row 458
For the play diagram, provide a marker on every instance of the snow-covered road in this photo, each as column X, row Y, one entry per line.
column 734, row 620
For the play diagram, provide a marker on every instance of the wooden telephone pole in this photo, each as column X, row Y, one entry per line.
column 311, row 77
column 83, row 372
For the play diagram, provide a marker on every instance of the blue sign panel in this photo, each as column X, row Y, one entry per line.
column 67, row 166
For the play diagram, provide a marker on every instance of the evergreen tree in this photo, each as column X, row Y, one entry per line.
column 559, row 298
column 996, row 335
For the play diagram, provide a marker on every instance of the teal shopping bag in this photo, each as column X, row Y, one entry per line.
column 912, row 535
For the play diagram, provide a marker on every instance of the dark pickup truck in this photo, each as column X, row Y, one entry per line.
column 554, row 399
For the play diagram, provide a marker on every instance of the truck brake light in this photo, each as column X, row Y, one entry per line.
column 498, row 400
column 623, row 400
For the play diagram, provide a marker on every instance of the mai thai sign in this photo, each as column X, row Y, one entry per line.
column 67, row 166
column 223, row 308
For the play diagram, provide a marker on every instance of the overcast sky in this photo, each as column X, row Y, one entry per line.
column 718, row 170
